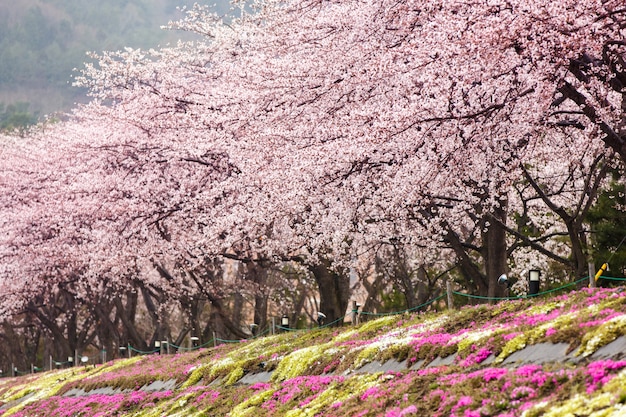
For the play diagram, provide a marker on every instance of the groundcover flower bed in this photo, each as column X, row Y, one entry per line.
column 476, row 361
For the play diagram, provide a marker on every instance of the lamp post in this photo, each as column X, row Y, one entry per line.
column 533, row 281
column 194, row 341
column 320, row 318
column 284, row 322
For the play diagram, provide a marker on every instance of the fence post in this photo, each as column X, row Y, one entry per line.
column 592, row 274
column 449, row 293
column 355, row 313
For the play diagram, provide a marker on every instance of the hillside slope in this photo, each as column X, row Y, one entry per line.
column 43, row 41
column 546, row 356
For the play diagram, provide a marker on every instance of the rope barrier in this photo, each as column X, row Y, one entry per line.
column 612, row 278
column 407, row 310
column 143, row 352
column 517, row 297
column 215, row 340
column 228, row 341
column 340, row 319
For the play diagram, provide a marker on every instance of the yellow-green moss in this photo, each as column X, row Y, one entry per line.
column 234, row 376
column 602, row 335
column 377, row 324
column 195, row 376
column 297, row 362
column 366, row 355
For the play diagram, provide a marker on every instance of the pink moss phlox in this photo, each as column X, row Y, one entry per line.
column 603, row 316
column 354, row 343
column 211, row 395
column 439, row 339
column 433, row 370
column 331, row 366
column 493, row 374
column 510, row 336
column 373, row 392
column 463, row 402
column 523, row 392
column 476, row 358
column 292, row 388
column 535, row 319
column 597, row 294
column 528, row 370
column 599, row 372
column 260, row 386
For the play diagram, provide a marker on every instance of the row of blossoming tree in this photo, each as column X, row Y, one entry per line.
column 304, row 148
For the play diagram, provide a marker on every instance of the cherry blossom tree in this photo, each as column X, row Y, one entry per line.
column 314, row 132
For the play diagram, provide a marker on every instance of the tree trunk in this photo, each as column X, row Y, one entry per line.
column 495, row 253
column 257, row 273
column 334, row 290
column 474, row 278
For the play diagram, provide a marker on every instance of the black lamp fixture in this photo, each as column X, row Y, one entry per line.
column 534, row 276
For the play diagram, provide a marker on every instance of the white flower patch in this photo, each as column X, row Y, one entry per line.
column 472, row 336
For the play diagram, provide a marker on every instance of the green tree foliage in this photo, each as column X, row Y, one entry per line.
column 607, row 219
column 16, row 118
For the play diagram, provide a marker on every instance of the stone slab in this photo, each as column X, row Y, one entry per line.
column 159, row 386
column 614, row 350
column 539, row 354
column 376, row 366
column 448, row 360
column 250, row 379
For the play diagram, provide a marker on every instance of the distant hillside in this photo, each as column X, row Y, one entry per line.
column 42, row 41
column 559, row 356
